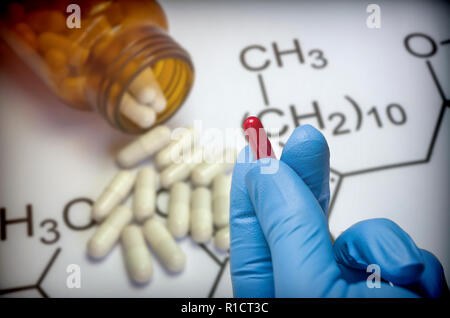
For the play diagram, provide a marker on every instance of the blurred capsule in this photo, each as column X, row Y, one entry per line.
column 178, row 215
column 204, row 173
column 164, row 245
column 201, row 226
column 145, row 88
column 145, row 194
column 108, row 233
column 116, row 191
column 141, row 115
column 144, row 146
column 137, row 255
column 181, row 171
column 173, row 151
column 222, row 239
column 221, row 200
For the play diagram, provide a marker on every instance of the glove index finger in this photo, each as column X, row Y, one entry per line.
column 307, row 153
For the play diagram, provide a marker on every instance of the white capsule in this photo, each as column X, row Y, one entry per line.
column 140, row 114
column 144, row 146
column 109, row 231
column 145, row 88
column 145, row 194
column 136, row 253
column 178, row 215
column 180, row 171
column 164, row 245
column 173, row 151
column 115, row 192
column 201, row 227
column 142, row 87
column 159, row 103
column 221, row 200
column 222, row 239
column 204, row 173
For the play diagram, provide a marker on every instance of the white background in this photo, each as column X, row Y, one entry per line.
column 51, row 154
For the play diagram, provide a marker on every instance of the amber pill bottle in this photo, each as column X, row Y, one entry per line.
column 92, row 65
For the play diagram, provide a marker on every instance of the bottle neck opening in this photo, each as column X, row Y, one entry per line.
column 131, row 53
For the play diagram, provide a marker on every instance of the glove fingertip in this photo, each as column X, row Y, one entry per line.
column 306, row 135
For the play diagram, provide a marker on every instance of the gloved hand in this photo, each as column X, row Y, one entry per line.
column 280, row 243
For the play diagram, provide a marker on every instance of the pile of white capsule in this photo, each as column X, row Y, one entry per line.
column 193, row 208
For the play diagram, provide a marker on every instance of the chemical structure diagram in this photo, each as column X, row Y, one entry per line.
column 318, row 61
column 54, row 236
column 37, row 285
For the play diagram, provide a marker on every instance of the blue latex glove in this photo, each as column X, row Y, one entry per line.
column 280, row 244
